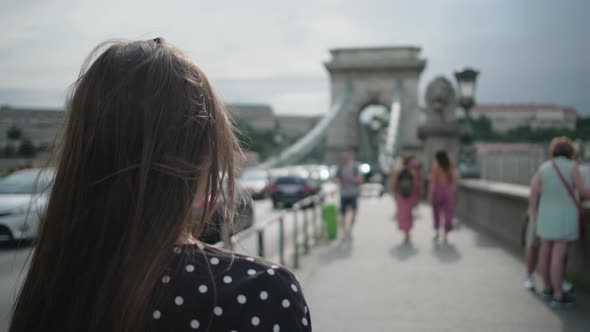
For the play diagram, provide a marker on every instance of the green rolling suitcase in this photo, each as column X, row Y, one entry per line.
column 330, row 212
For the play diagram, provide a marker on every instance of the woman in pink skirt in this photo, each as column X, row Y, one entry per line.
column 441, row 194
column 406, row 188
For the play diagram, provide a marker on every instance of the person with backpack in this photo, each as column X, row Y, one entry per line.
column 441, row 193
column 405, row 186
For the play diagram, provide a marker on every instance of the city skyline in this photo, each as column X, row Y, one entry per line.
column 264, row 52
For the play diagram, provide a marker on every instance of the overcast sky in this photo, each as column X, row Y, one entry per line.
column 272, row 51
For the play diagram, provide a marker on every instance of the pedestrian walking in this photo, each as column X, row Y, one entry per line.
column 406, row 188
column 441, row 194
column 555, row 208
column 349, row 179
column 145, row 137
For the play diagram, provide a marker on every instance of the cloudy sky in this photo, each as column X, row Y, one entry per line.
column 272, row 51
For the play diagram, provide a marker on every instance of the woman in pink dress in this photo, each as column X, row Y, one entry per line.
column 406, row 188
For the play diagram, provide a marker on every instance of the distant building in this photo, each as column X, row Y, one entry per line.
column 38, row 125
column 41, row 125
column 505, row 117
column 295, row 125
column 510, row 162
column 259, row 116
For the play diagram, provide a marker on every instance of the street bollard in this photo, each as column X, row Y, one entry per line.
column 305, row 231
column 261, row 242
column 282, row 240
column 314, row 218
column 295, row 239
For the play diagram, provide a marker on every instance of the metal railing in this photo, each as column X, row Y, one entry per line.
column 307, row 226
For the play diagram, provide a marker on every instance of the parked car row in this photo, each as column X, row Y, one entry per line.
column 24, row 195
column 285, row 186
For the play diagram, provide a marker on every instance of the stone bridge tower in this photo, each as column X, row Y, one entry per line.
column 373, row 73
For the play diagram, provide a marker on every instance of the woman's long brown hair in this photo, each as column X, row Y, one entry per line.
column 446, row 165
column 144, row 131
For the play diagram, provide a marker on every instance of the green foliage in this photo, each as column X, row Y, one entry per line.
column 261, row 141
column 482, row 129
column 8, row 151
column 27, row 149
column 13, row 133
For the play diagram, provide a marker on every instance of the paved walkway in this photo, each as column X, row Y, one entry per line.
column 377, row 284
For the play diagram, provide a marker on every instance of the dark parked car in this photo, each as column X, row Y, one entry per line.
column 286, row 190
column 244, row 218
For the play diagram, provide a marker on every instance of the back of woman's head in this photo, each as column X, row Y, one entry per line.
column 144, row 133
column 407, row 158
column 443, row 160
column 562, row 147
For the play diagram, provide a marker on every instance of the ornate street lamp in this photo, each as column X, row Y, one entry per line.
column 468, row 165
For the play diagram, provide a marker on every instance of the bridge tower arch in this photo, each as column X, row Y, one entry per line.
column 374, row 73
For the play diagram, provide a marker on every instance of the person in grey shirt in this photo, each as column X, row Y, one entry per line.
column 349, row 179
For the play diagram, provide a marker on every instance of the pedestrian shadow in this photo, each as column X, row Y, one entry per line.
column 446, row 252
column 337, row 251
column 574, row 319
column 404, row 251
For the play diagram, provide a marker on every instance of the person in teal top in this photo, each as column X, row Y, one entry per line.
column 556, row 214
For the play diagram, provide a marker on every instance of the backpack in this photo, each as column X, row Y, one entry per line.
column 405, row 183
column 355, row 171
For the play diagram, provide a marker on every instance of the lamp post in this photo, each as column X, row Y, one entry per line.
column 468, row 165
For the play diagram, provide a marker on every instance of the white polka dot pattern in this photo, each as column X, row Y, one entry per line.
column 213, row 290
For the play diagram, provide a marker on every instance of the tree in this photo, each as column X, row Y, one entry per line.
column 27, row 149
column 260, row 141
column 9, row 151
column 13, row 133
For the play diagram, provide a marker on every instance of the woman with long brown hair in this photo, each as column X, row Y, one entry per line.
column 145, row 137
column 441, row 194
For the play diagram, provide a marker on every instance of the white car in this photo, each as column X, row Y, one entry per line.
column 23, row 198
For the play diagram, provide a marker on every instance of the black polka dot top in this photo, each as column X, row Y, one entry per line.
column 206, row 289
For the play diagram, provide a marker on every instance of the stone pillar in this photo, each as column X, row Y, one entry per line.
column 441, row 131
column 374, row 73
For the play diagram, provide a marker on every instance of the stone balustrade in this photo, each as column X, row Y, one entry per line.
column 499, row 210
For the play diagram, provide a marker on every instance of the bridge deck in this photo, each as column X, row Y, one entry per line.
column 378, row 284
